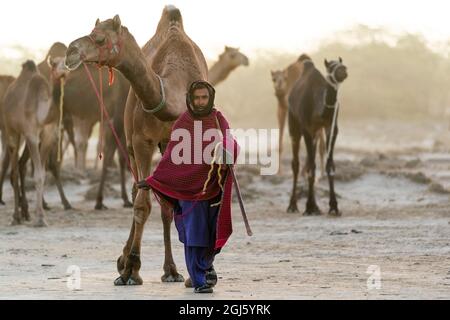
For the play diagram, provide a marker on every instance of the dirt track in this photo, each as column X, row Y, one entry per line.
column 396, row 216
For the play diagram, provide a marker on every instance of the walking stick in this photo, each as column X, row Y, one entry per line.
column 238, row 191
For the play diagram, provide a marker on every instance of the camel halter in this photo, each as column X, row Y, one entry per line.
column 107, row 50
column 162, row 104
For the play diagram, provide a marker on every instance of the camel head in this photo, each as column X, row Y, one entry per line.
column 336, row 70
column 29, row 66
column 57, row 67
column 233, row 57
column 280, row 81
column 103, row 46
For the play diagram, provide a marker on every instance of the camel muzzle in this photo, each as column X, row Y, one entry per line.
column 73, row 58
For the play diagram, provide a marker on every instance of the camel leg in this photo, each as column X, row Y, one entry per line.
column 107, row 159
column 13, row 150
column 334, row 211
column 322, row 152
column 68, row 127
column 49, row 150
column 39, row 178
column 143, row 152
column 170, row 269
column 282, row 112
column 22, row 174
column 55, row 168
column 123, row 178
column 311, row 205
column 82, row 132
column 4, row 169
column 295, row 168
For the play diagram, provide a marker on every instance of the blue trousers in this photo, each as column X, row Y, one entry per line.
column 196, row 222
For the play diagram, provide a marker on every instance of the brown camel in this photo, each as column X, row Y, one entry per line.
column 229, row 60
column 81, row 113
column 55, row 54
column 313, row 106
column 30, row 106
column 57, row 50
column 160, row 74
column 283, row 81
column 5, row 81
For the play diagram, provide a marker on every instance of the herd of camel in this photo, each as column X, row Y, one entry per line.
column 146, row 97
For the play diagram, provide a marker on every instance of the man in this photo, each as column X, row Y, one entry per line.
column 199, row 187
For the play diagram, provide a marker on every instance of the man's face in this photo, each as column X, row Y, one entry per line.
column 201, row 99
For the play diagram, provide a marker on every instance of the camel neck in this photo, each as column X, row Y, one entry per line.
column 143, row 79
column 55, row 88
column 331, row 96
column 219, row 72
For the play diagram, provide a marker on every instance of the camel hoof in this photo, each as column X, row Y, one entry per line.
column 68, row 207
column 172, row 278
column 134, row 282
column 40, row 224
column 312, row 212
column 2, row 203
column 46, row 207
column 120, row 282
column 334, row 212
column 16, row 222
column 292, row 208
column 188, row 283
column 127, row 204
column 100, row 206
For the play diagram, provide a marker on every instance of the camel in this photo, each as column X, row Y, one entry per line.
column 228, row 61
column 56, row 50
column 5, row 81
column 46, row 68
column 81, row 113
column 313, row 107
column 30, row 105
column 283, row 81
column 160, row 74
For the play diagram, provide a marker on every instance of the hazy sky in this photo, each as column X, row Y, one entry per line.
column 289, row 25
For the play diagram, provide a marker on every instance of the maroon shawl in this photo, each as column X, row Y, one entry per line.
column 186, row 181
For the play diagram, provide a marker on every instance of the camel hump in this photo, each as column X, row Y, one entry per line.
column 29, row 65
column 174, row 14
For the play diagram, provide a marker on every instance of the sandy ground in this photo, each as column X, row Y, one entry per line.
column 392, row 242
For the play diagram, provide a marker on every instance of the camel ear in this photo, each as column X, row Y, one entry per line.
column 116, row 23
column 340, row 59
column 97, row 22
column 326, row 63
